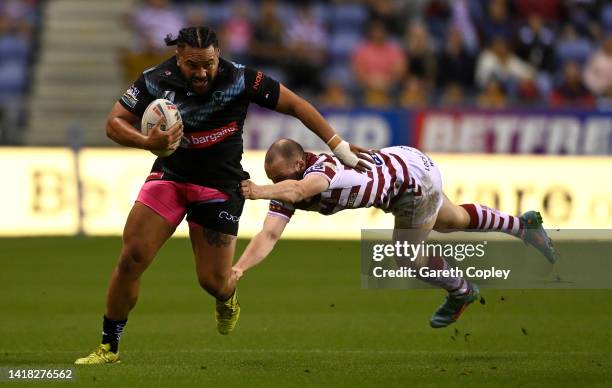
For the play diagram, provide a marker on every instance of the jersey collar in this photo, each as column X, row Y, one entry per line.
column 172, row 75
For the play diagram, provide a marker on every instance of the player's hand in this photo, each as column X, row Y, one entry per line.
column 248, row 189
column 165, row 140
column 362, row 154
column 353, row 156
column 237, row 273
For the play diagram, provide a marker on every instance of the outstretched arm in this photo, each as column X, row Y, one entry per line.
column 349, row 154
column 289, row 190
column 261, row 245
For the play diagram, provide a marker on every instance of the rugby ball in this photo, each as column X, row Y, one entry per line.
column 157, row 110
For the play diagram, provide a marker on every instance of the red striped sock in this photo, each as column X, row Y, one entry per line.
column 486, row 219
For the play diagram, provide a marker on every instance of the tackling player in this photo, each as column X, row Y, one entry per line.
column 403, row 181
column 201, row 178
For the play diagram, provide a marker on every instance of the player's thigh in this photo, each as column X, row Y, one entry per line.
column 451, row 216
column 145, row 233
column 213, row 251
column 405, row 232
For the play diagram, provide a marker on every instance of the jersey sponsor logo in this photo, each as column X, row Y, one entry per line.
column 377, row 160
column 351, row 199
column 258, row 79
column 207, row 138
column 130, row 97
column 319, row 167
column 224, row 215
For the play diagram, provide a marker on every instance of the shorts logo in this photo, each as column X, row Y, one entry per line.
column 226, row 216
column 130, row 97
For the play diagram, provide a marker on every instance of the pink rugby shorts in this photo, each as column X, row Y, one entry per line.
column 172, row 199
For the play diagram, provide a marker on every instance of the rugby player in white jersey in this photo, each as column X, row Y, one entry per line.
column 403, row 181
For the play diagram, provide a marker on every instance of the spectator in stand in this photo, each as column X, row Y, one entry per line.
column 535, row 44
column 550, row 11
column 19, row 13
column 499, row 63
column 237, row 33
column 415, row 93
column 377, row 98
column 572, row 47
column 529, row 94
column 571, row 92
column 267, row 48
column 463, row 22
column 497, row 21
column 456, row 64
column 420, row 55
column 438, row 14
column 493, row 96
column 334, row 95
column 378, row 63
column 583, row 15
column 453, row 96
column 307, row 46
column 154, row 21
column 389, row 13
column 598, row 72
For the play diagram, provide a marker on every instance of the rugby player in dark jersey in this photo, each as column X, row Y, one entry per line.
column 201, row 179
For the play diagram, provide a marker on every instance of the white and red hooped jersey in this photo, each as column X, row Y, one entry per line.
column 397, row 172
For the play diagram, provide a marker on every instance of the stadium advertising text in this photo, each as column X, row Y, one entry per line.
column 561, row 133
column 41, row 195
column 375, row 128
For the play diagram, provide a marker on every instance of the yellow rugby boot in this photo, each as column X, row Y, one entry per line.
column 227, row 314
column 102, row 355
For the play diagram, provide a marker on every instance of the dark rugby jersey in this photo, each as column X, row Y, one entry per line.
column 211, row 148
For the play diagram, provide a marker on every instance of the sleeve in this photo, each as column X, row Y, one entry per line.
column 261, row 89
column 327, row 169
column 137, row 97
column 281, row 209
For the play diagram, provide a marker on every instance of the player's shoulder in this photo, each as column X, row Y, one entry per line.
column 164, row 75
column 165, row 69
column 231, row 70
column 321, row 163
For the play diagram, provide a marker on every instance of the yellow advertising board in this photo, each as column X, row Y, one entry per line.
column 40, row 193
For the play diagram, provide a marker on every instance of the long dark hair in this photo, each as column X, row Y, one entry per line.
column 196, row 37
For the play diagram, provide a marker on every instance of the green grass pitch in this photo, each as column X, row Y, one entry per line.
column 305, row 322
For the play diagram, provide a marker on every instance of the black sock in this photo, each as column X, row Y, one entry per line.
column 111, row 333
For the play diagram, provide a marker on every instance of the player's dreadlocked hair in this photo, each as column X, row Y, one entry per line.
column 196, row 37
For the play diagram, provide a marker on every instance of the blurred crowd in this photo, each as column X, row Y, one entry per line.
column 19, row 21
column 386, row 53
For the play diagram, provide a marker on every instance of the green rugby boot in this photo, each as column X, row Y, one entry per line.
column 453, row 307
column 535, row 235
